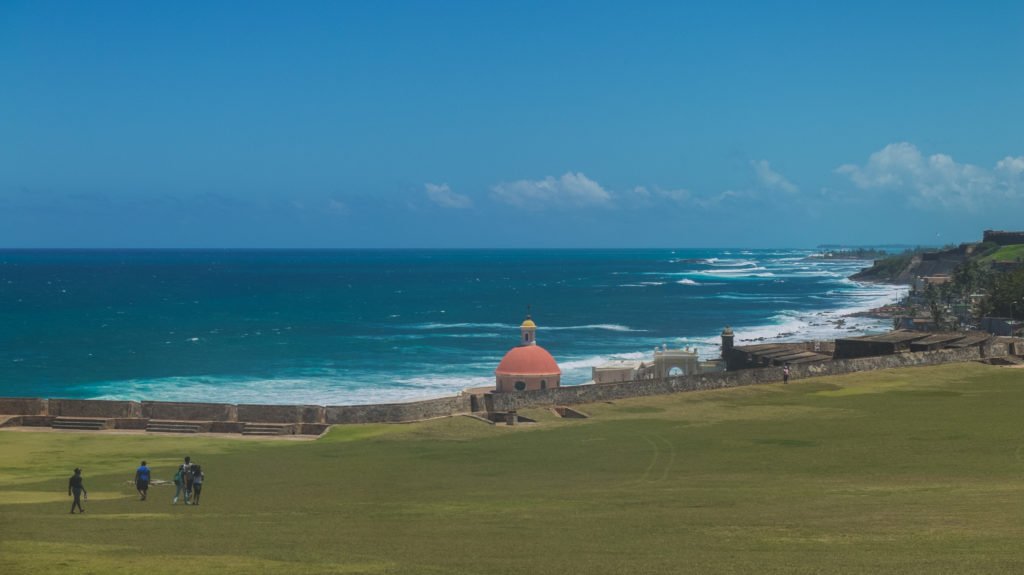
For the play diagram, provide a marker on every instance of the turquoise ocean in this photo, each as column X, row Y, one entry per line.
column 335, row 327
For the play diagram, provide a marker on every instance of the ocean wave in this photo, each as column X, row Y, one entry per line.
column 731, row 263
column 745, row 270
column 688, row 282
column 421, row 336
column 643, row 284
column 604, row 326
column 462, row 325
column 709, row 274
column 331, row 390
column 595, row 360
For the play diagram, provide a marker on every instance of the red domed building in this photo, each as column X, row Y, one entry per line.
column 527, row 366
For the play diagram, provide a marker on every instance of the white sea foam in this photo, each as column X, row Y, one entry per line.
column 643, row 284
column 604, row 326
column 731, row 263
column 336, row 390
column 745, row 270
column 728, row 275
column 463, row 325
column 688, row 282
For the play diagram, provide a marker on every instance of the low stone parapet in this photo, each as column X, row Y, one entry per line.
column 398, row 412
column 93, row 408
column 182, row 411
column 23, row 406
column 281, row 413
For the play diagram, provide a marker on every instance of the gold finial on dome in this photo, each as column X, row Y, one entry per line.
column 528, row 329
column 528, row 322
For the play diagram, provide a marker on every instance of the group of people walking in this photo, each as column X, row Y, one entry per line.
column 188, row 478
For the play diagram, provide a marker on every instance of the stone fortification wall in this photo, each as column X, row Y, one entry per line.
column 23, row 406
column 93, row 408
column 230, row 418
column 720, row 380
column 281, row 413
column 189, row 411
column 398, row 412
column 1003, row 238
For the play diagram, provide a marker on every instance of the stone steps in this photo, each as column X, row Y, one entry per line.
column 80, row 423
column 172, row 427
column 267, row 429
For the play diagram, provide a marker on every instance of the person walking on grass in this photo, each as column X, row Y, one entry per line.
column 179, row 483
column 186, row 479
column 142, row 481
column 77, row 488
column 785, row 374
column 197, row 483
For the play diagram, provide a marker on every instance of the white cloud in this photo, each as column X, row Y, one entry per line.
column 1010, row 166
column 571, row 189
column 337, row 207
column 443, row 196
column 772, row 180
column 936, row 180
column 714, row 201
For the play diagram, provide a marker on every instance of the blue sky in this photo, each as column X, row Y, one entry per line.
column 481, row 124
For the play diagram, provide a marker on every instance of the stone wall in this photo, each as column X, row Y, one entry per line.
column 189, row 411
column 1003, row 238
column 93, row 408
column 23, row 406
column 281, row 413
column 720, row 380
column 231, row 418
column 398, row 412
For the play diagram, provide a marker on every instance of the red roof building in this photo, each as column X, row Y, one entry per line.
column 527, row 366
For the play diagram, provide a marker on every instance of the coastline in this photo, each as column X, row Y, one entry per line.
column 416, row 344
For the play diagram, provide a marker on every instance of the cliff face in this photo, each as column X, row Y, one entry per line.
column 903, row 268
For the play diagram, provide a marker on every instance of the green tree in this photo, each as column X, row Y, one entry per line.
column 1006, row 296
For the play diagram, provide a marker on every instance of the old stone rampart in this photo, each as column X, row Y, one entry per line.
column 170, row 410
column 281, row 413
column 229, row 418
column 720, row 380
column 1003, row 238
column 398, row 412
column 93, row 408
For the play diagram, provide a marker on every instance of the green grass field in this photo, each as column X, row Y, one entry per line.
column 1009, row 253
column 908, row 471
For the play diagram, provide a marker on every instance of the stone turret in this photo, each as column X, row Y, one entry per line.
column 727, row 340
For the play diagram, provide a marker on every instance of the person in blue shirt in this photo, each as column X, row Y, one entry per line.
column 142, row 480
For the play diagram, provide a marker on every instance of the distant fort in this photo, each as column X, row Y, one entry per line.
column 1003, row 238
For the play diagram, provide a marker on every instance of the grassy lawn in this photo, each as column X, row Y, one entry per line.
column 906, row 471
column 1006, row 254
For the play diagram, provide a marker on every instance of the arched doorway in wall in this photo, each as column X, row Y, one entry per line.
column 675, row 371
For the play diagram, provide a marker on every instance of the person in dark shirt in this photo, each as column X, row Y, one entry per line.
column 76, row 488
column 197, row 483
column 142, row 480
column 186, row 478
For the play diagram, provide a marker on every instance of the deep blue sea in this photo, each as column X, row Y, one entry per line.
column 351, row 326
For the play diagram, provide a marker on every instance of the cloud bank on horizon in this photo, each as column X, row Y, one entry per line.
column 935, row 182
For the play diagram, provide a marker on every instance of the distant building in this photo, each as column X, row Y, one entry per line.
column 1003, row 238
column 921, row 283
column 665, row 363
column 527, row 366
column 904, row 341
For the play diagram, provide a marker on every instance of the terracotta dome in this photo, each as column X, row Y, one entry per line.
column 528, row 360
